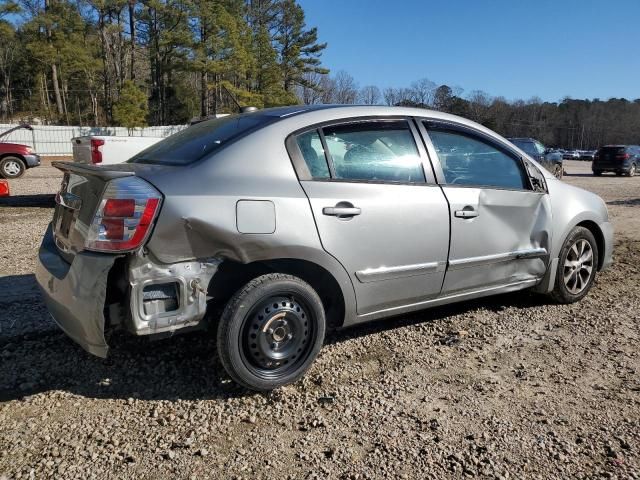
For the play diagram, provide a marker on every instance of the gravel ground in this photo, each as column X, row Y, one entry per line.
column 506, row 387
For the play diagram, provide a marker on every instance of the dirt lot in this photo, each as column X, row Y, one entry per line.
column 507, row 387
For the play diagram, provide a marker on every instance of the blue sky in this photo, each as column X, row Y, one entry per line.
column 513, row 48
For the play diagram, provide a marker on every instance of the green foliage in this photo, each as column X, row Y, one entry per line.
column 189, row 57
column 132, row 107
column 297, row 47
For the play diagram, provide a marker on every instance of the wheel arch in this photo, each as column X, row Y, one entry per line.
column 10, row 154
column 233, row 275
column 598, row 235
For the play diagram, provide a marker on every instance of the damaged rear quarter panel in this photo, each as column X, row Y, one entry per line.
column 198, row 217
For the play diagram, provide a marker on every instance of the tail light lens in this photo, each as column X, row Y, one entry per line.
column 622, row 156
column 124, row 217
column 96, row 153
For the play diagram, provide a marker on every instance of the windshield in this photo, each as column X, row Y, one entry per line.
column 200, row 140
column 526, row 146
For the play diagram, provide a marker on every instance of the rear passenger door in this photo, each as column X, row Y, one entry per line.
column 376, row 211
column 500, row 224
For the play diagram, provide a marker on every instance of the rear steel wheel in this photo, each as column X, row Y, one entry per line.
column 271, row 331
column 275, row 336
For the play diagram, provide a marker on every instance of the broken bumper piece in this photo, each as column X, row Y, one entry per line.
column 75, row 293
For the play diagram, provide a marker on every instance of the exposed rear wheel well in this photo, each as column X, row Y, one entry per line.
column 597, row 233
column 231, row 276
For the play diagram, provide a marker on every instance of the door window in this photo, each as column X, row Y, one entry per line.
column 375, row 150
column 311, row 148
column 471, row 161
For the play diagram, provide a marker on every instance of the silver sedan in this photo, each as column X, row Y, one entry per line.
column 290, row 221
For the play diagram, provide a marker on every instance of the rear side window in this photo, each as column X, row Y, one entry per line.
column 200, row 140
column 311, row 148
column 374, row 150
column 471, row 161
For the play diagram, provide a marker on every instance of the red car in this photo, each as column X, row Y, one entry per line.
column 16, row 158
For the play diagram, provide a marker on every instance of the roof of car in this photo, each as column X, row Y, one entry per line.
column 340, row 111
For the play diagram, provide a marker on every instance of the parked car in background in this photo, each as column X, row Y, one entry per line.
column 549, row 158
column 15, row 158
column 295, row 219
column 107, row 149
column 571, row 155
column 588, row 155
column 620, row 159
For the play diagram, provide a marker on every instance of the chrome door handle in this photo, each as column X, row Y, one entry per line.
column 341, row 211
column 466, row 213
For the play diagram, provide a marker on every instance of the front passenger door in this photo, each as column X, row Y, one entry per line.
column 500, row 225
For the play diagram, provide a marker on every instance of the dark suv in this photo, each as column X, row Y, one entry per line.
column 547, row 157
column 617, row 158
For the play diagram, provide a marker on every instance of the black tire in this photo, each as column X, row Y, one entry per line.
column 632, row 170
column 274, row 309
column 597, row 173
column 558, row 171
column 567, row 291
column 12, row 167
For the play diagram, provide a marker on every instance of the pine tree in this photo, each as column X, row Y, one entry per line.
column 297, row 47
column 132, row 107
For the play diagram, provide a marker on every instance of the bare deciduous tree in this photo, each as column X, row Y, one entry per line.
column 369, row 95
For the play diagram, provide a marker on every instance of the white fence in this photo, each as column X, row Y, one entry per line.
column 55, row 140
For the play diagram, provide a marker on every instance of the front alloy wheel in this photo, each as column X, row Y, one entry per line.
column 557, row 172
column 632, row 170
column 271, row 331
column 577, row 266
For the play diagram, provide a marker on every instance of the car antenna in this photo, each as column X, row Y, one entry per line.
column 241, row 109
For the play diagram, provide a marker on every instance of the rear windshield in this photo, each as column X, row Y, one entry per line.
column 200, row 140
column 614, row 150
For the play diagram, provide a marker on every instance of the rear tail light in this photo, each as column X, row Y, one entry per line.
column 96, row 153
column 124, row 216
column 622, row 156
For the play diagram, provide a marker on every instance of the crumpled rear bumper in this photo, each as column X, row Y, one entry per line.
column 75, row 293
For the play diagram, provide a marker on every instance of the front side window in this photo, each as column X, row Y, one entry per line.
column 311, row 148
column 470, row 161
column 374, row 150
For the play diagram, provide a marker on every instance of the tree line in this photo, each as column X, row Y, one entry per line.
column 132, row 62
column 162, row 62
column 569, row 123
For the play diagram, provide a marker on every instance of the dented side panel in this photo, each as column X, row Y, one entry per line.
column 199, row 217
column 509, row 241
